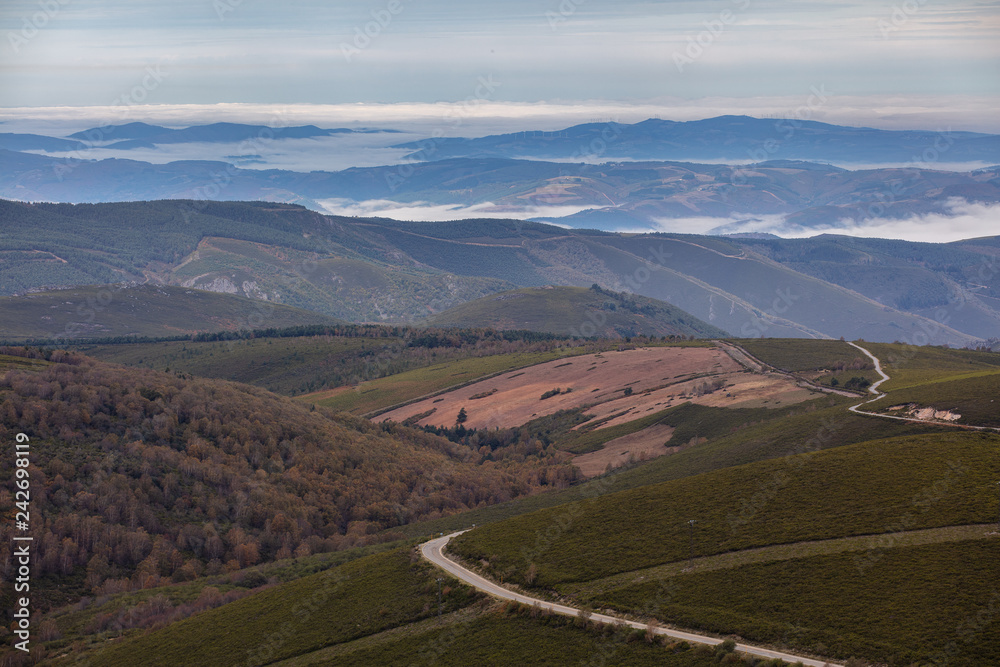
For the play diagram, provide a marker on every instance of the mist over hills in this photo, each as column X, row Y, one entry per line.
column 143, row 135
column 626, row 195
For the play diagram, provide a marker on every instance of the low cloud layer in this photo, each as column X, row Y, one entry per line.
column 960, row 220
column 423, row 211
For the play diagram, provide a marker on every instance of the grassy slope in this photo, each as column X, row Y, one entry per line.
column 142, row 310
column 960, row 380
column 500, row 640
column 759, row 606
column 909, row 366
column 284, row 365
column 734, row 439
column 576, row 311
column 932, row 604
column 975, row 398
column 73, row 621
column 9, row 363
column 363, row 597
column 342, row 285
column 794, row 354
column 860, row 489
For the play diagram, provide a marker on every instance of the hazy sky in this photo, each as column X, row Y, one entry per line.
column 97, row 52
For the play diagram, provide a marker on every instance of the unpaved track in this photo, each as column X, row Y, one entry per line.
column 879, row 395
column 434, row 552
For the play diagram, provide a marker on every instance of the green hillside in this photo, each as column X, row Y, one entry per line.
column 816, row 530
column 916, row 605
column 377, row 270
column 319, row 359
column 376, row 610
column 964, row 382
column 113, row 311
column 578, row 312
column 839, row 492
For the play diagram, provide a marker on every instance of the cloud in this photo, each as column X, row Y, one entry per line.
column 482, row 117
column 960, row 220
column 424, row 211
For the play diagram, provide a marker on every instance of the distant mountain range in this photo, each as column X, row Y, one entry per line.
column 369, row 269
column 38, row 142
column 144, row 135
column 625, row 195
column 741, row 138
column 609, row 176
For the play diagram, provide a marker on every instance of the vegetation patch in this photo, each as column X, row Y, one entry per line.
column 361, row 598
column 933, row 604
column 940, row 480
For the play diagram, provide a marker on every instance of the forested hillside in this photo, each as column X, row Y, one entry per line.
column 141, row 476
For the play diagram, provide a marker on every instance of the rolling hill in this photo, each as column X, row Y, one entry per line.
column 140, row 311
column 720, row 138
column 576, row 311
column 140, row 474
column 143, row 135
column 817, row 531
column 610, row 196
column 371, row 269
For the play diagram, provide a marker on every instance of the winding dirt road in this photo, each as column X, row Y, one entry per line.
column 434, row 552
column 878, row 395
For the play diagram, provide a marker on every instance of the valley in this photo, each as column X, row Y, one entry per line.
column 511, row 334
column 780, row 492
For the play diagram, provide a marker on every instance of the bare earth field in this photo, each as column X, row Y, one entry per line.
column 647, row 443
column 659, row 377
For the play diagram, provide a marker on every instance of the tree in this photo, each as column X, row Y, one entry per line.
column 462, row 416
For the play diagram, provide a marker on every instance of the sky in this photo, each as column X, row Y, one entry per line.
column 463, row 68
column 581, row 53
